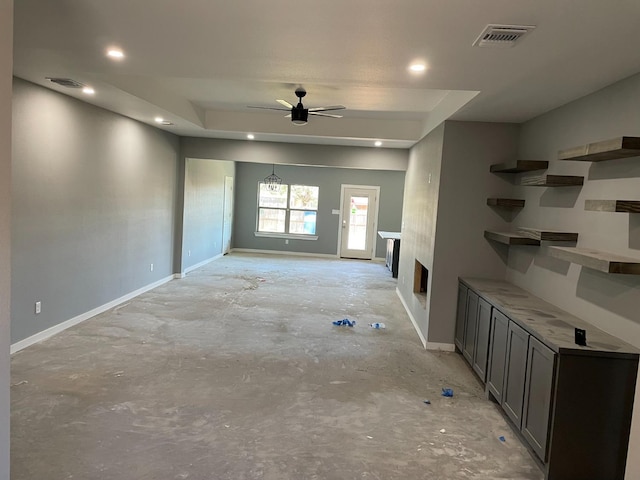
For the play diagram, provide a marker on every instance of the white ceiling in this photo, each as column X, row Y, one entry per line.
column 199, row 63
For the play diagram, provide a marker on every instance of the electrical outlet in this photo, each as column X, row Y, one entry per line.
column 151, row 267
column 286, row 242
column 189, row 252
column 38, row 307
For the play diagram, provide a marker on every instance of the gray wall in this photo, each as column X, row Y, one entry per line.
column 329, row 180
column 422, row 187
column 203, row 209
column 296, row 154
column 6, row 68
column 611, row 302
column 445, row 215
column 463, row 215
column 93, row 207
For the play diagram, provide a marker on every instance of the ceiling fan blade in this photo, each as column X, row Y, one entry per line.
column 325, row 109
column 285, row 103
column 318, row 114
column 269, row 108
column 287, row 116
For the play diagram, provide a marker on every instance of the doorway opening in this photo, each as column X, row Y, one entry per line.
column 358, row 218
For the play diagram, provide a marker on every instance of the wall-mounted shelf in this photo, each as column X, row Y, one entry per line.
column 620, row 147
column 597, row 260
column 505, row 202
column 617, row 206
column 517, row 166
column 547, row 235
column 552, row 181
column 510, row 238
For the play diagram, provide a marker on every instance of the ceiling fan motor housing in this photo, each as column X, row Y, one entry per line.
column 299, row 114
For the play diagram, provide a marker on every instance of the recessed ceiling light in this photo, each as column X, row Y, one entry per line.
column 378, row 143
column 88, row 90
column 417, row 67
column 159, row 120
column 251, row 136
column 115, row 53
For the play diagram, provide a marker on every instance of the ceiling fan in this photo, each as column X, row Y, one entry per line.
column 299, row 114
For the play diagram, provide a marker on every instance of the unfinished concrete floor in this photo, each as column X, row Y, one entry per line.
column 236, row 372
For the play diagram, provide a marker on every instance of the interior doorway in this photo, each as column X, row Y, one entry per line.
column 359, row 218
column 227, row 216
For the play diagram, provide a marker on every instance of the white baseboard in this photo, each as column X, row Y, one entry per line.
column 201, row 264
column 50, row 332
column 281, row 252
column 442, row 347
column 178, row 276
column 413, row 320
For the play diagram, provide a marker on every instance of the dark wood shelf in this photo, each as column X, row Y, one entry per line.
column 620, row 147
column 517, row 166
column 505, row 202
column 547, row 235
column 510, row 238
column 552, row 181
column 617, row 206
column 597, row 260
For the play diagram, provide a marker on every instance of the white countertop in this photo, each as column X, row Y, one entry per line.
column 389, row 235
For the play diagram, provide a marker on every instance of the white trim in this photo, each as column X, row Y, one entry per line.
column 178, row 276
column 291, row 236
column 379, row 259
column 200, row 264
column 281, row 252
column 413, row 320
column 50, row 332
column 442, row 347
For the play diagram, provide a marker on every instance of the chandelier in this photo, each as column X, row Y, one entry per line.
column 273, row 181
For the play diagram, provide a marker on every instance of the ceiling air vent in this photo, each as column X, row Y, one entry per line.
column 502, row 36
column 65, row 82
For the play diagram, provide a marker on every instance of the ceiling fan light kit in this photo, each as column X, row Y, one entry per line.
column 300, row 115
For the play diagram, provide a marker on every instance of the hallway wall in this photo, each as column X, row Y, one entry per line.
column 203, row 209
column 93, row 207
column 6, row 69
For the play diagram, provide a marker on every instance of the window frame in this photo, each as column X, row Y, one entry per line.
column 287, row 219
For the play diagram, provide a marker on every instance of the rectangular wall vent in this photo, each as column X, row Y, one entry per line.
column 502, row 36
column 65, row 82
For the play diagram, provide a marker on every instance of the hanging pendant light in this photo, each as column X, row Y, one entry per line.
column 273, row 181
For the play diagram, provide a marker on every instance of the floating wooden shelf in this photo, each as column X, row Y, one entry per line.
column 505, row 202
column 510, row 238
column 618, row 206
column 547, row 235
column 517, row 166
column 552, row 181
column 620, row 147
column 597, row 260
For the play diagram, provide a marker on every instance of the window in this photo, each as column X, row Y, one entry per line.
column 287, row 209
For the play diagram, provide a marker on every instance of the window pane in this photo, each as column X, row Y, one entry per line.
column 271, row 220
column 276, row 198
column 304, row 197
column 302, row 222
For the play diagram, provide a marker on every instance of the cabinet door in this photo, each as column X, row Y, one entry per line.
column 498, row 354
column 460, row 316
column 483, row 329
column 537, row 398
column 470, row 326
column 515, row 373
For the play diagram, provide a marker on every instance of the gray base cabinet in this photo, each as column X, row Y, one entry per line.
column 483, row 330
column 572, row 404
column 515, row 372
column 471, row 322
column 539, row 392
column 497, row 354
